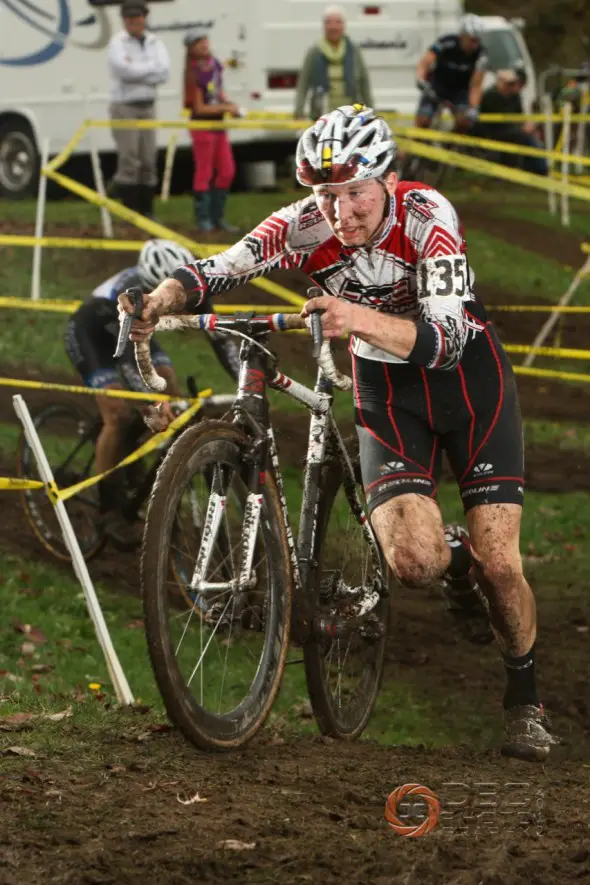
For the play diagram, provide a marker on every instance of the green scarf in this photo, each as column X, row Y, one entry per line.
column 336, row 78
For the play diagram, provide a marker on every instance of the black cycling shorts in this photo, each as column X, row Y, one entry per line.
column 90, row 341
column 407, row 416
column 429, row 104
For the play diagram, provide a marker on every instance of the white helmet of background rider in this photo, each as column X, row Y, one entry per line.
column 472, row 25
column 349, row 144
column 159, row 259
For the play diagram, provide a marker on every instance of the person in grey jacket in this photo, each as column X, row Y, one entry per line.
column 333, row 71
column 138, row 62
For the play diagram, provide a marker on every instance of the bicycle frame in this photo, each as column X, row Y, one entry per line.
column 251, row 409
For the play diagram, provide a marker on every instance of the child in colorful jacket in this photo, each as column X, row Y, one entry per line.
column 215, row 168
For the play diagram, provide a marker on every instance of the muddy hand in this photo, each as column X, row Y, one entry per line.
column 144, row 325
column 338, row 315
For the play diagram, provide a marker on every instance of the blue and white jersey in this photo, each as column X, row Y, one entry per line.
column 115, row 285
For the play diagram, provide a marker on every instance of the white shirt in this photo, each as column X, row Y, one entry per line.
column 136, row 70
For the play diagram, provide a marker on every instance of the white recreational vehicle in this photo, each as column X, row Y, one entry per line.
column 53, row 62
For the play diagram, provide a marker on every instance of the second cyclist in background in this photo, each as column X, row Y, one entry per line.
column 451, row 71
column 90, row 343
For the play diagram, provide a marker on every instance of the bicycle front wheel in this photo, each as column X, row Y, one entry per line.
column 217, row 651
column 344, row 664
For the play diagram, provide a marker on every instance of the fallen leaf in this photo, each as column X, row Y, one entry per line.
column 136, row 624
column 234, row 845
column 192, row 801
column 57, row 717
column 28, row 648
column 34, row 633
column 19, row 751
column 16, row 722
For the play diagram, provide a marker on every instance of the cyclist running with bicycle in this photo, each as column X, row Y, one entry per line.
column 90, row 343
column 451, row 71
column 429, row 375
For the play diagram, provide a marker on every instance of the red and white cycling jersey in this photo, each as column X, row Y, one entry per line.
column 417, row 269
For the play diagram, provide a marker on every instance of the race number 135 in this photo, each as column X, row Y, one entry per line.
column 444, row 276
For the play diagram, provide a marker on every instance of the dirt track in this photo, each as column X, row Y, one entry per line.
column 314, row 809
column 301, row 813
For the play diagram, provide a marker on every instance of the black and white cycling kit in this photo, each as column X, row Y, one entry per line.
column 91, row 338
column 455, row 392
column 452, row 73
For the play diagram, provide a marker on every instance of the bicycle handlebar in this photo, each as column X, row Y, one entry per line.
column 277, row 322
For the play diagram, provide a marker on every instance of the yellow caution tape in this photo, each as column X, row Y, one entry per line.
column 158, row 230
column 69, row 148
column 91, row 391
column 492, row 145
column 73, row 243
column 551, row 373
column 570, row 353
column 48, row 304
column 494, row 170
column 145, row 449
column 17, row 485
column 259, row 120
column 537, row 308
column 57, row 306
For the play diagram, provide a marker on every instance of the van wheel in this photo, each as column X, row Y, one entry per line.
column 19, row 160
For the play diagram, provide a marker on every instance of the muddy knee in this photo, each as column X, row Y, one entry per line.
column 500, row 574
column 416, row 565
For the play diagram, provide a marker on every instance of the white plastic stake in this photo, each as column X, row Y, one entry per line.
column 581, row 129
column 105, row 215
column 39, row 223
column 565, row 199
column 118, row 678
column 547, row 108
column 168, row 166
column 548, row 325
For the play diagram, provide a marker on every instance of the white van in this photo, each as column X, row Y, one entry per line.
column 54, row 75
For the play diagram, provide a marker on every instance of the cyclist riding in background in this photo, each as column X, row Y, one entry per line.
column 452, row 71
column 90, row 342
column 429, row 375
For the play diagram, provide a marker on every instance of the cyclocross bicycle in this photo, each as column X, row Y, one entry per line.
column 220, row 509
column 69, row 433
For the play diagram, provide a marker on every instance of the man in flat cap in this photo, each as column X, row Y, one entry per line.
column 139, row 62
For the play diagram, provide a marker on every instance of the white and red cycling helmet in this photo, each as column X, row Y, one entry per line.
column 350, row 143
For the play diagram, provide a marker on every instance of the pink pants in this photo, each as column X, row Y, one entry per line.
column 214, row 160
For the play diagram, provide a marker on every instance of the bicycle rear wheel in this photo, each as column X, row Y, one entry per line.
column 344, row 670
column 218, row 661
column 68, row 434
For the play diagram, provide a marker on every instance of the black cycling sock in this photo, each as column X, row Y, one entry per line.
column 521, row 687
column 108, row 494
column 461, row 560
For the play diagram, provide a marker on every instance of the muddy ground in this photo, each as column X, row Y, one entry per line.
column 312, row 810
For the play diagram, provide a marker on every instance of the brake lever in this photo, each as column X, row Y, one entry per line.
column 136, row 296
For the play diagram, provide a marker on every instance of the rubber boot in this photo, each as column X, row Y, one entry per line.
column 218, row 200
column 145, row 200
column 202, row 203
column 129, row 194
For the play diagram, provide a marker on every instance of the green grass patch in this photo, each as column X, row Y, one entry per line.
column 518, row 272
column 566, row 436
column 579, row 223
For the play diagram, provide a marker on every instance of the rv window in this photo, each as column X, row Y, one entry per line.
column 502, row 49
